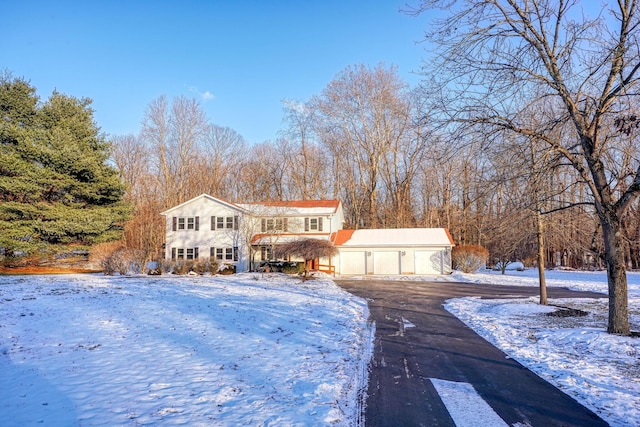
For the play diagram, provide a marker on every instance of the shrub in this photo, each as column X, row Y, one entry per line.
column 99, row 254
column 469, row 258
column 226, row 269
column 117, row 262
column 182, row 267
column 292, row 267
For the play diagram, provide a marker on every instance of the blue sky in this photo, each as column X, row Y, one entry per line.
column 240, row 58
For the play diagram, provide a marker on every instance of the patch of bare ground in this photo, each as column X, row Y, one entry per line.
column 34, row 269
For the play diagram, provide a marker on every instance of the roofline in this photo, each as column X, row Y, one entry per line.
column 446, row 230
column 349, row 234
column 396, row 245
column 206, row 196
column 290, row 204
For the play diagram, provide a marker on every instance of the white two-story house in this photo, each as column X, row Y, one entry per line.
column 244, row 234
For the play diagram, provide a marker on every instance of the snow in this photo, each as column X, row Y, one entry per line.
column 399, row 237
column 600, row 370
column 252, row 349
column 209, row 350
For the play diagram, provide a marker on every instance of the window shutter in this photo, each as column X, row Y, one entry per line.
column 195, row 250
column 264, row 224
column 213, row 222
column 197, row 223
column 319, row 224
column 174, row 225
column 173, row 252
column 212, row 251
column 236, row 219
column 306, row 224
column 285, row 224
column 235, row 253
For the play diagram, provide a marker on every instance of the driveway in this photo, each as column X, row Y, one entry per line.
column 409, row 363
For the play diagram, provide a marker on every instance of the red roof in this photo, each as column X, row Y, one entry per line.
column 341, row 236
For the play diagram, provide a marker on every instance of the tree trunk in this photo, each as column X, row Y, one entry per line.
column 616, row 276
column 541, row 251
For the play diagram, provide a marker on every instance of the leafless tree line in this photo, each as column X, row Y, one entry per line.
column 368, row 141
column 523, row 139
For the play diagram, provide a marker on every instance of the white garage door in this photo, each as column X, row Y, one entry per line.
column 387, row 262
column 353, row 263
column 428, row 262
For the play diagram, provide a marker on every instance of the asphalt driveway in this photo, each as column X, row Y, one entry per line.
column 407, row 362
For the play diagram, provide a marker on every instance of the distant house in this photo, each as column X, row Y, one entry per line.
column 245, row 234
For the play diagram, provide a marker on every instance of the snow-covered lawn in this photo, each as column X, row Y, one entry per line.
column 199, row 351
column 600, row 370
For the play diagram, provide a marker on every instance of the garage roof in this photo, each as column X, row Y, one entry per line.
column 393, row 237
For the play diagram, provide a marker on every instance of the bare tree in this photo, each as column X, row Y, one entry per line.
column 505, row 58
column 308, row 172
column 173, row 134
column 218, row 161
column 145, row 231
column 363, row 114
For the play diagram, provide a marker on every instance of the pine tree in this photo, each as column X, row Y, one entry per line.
column 56, row 185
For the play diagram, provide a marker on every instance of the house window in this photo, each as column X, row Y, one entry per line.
column 274, row 224
column 184, row 253
column 313, row 224
column 224, row 254
column 224, row 223
column 265, row 253
column 188, row 223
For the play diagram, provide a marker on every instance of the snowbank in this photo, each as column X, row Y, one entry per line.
column 574, row 353
column 234, row 350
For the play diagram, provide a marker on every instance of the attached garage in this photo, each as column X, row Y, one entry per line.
column 386, row 262
column 353, row 262
column 402, row 251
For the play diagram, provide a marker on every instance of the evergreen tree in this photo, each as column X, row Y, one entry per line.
column 56, row 186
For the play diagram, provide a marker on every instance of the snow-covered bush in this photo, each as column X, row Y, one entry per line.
column 469, row 258
column 227, row 269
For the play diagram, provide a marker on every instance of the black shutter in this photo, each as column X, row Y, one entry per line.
column 195, row 251
column 319, row 224
column 212, row 251
column 197, row 223
column 306, row 224
column 173, row 253
column 174, row 225
column 213, row 222
column 236, row 219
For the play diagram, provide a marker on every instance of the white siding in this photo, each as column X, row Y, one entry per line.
column 429, row 262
